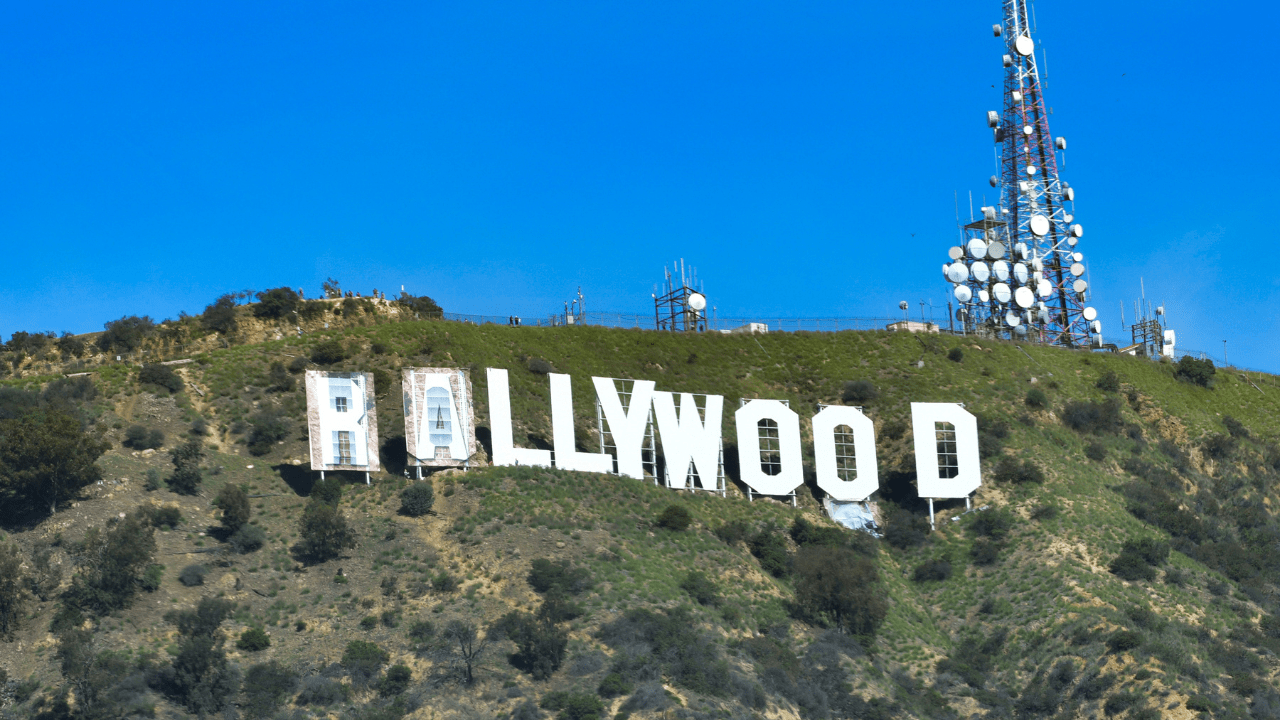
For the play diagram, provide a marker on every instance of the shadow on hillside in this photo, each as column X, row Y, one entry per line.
column 299, row 478
column 394, row 455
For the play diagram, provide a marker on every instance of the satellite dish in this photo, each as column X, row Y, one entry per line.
column 1020, row 330
column 1017, row 96
column 1039, row 225
column 983, row 296
column 993, row 118
column 994, row 181
column 1045, row 288
column 1090, row 314
column 698, row 301
column 1008, row 60
column 1024, row 297
column 963, row 294
column 1072, row 241
column 1020, row 273
column 903, row 305
column 977, row 247
column 1037, row 264
column 1024, row 186
column 1027, row 129
column 980, row 271
column 1032, row 169
column 1160, row 310
column 1000, row 269
column 1077, row 269
column 1021, row 250
column 1024, row 45
column 1012, row 319
column 1043, row 315
column 1077, row 230
column 1068, row 217
column 1080, row 286
column 946, row 269
column 956, row 252
column 996, row 29
column 988, row 213
column 1070, row 194
column 1061, row 143
column 957, row 273
column 1078, row 257
column 1096, row 326
column 995, row 250
column 1001, row 293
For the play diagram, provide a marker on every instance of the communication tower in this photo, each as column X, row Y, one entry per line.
column 1018, row 272
column 681, row 307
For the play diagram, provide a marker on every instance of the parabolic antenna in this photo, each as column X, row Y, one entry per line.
column 1024, row 297
column 980, row 271
column 963, row 293
column 1000, row 269
column 1078, row 257
column 698, row 301
column 983, row 296
column 977, row 247
column 1020, row 273
column 1080, row 286
column 994, row 181
column 1017, row 96
column 1002, row 293
column 957, row 273
column 946, row 270
column 1077, row 269
column 1072, row 241
column 1037, row 264
column 956, row 252
column 1068, row 217
column 1090, row 314
column 1070, row 194
column 1021, row 250
column 1039, row 224
column 1024, row 45
column 1032, row 169
column 1045, row 289
column 1012, row 319
column 1077, row 230
column 1020, row 330
column 995, row 250
column 1096, row 326
column 1027, row 129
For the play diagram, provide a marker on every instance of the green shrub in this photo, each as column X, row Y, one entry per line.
column 328, row 352
column 266, row 686
column 193, row 575
column 955, row 355
column 1138, row 559
column 140, row 437
column 220, row 317
column 1095, row 451
column 362, row 660
column 733, row 532
column 279, row 379
column 276, row 303
column 444, row 582
column 153, row 481
column 840, row 587
column 1235, row 428
column 248, row 538
column 417, row 499
column 267, row 428
column 984, row 552
column 613, row 685
column 540, row 645
column 701, row 588
column 161, row 376
column 1121, row 701
column 670, row 643
column 771, row 550
column 253, row 640
column 1090, row 417
column 1108, row 382
column 906, row 530
column 186, row 458
column 234, row 503
column 1123, row 640
column 126, row 334
column 324, row 532
column 164, row 516
column 544, row 575
column 807, row 533
column 396, row 681
column 558, row 607
column 1199, row 703
column 422, row 631
column 1036, row 398
column 932, row 571
column 995, row 524
column 298, row 364
column 369, row 622
column 1197, row 372
column 538, row 366
column 14, row 598
column 1009, row 470
column 200, row 677
column 859, row 391
column 322, row 691
column 675, row 518
column 114, row 563
column 327, row 491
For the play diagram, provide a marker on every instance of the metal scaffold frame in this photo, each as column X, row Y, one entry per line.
column 649, row 453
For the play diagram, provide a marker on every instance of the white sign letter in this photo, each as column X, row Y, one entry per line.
column 567, row 456
column 504, row 450
column 627, row 428
column 946, row 440
column 688, row 439
column 866, row 474
column 748, row 419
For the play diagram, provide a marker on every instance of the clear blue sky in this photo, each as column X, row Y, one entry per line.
column 805, row 156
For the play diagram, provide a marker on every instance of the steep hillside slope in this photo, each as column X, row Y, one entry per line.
column 1125, row 562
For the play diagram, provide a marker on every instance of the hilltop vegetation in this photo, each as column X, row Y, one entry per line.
column 167, row 551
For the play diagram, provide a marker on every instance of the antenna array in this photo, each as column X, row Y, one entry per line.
column 1017, row 272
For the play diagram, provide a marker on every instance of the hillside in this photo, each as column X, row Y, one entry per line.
column 1097, row 468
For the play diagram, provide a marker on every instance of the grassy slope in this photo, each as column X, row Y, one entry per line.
column 1052, row 578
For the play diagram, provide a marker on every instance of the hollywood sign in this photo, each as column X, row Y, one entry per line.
column 439, row 432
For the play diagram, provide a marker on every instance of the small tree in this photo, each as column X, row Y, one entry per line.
column 675, row 517
column 362, row 660
column 842, row 587
column 1198, row 372
column 253, row 640
column 47, row 456
column 328, row 491
column 268, row 427
column 701, row 588
column 324, row 532
column 234, row 503
column 328, row 352
column 220, row 317
column 200, row 677
column 276, row 303
column 1109, row 381
column 279, row 379
column 465, row 646
column 14, row 597
column 266, row 686
column 113, row 563
column 859, row 391
column 125, row 334
column 160, row 376
column 417, row 499
column 186, row 459
column 1036, row 398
